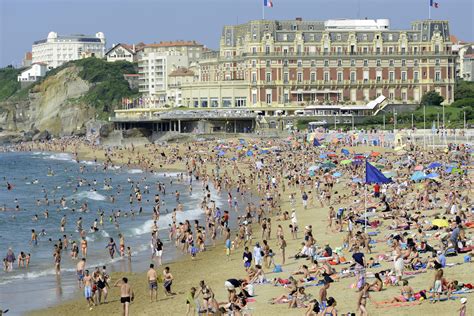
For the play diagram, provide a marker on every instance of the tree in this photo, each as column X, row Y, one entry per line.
column 464, row 90
column 432, row 98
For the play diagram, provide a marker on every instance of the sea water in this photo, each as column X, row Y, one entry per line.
column 35, row 176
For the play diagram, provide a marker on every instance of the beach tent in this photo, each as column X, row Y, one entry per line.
column 418, row 176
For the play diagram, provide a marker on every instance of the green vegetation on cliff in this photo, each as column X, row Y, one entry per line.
column 8, row 82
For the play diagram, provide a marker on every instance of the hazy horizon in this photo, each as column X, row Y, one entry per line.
column 148, row 21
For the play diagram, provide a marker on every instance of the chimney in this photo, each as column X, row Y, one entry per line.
column 299, row 19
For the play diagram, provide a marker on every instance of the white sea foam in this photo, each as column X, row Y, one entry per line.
column 32, row 275
column 135, row 171
column 90, row 163
column 60, row 156
column 91, row 195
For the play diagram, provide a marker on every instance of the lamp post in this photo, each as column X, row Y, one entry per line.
column 384, row 121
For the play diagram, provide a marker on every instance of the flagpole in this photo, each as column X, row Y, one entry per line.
column 429, row 11
column 263, row 10
column 365, row 198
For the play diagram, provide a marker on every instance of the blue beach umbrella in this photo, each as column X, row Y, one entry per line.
column 337, row 174
column 432, row 175
column 221, row 153
column 323, row 156
column 418, row 176
column 345, row 151
column 434, row 165
column 249, row 153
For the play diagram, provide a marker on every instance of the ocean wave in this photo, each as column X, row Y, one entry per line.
column 32, row 275
column 91, row 195
column 135, row 171
column 90, row 163
column 60, row 156
column 101, row 234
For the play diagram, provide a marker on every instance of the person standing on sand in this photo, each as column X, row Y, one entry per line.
column 167, row 281
column 152, row 282
column 126, row 294
column 282, row 248
column 87, row 281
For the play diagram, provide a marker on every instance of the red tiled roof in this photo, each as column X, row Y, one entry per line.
column 174, row 44
column 28, row 56
column 453, row 39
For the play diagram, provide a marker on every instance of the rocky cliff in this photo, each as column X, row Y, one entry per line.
column 64, row 101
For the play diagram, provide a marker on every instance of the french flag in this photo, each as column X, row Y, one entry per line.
column 434, row 4
column 269, row 3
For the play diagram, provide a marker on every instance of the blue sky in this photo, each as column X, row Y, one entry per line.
column 132, row 21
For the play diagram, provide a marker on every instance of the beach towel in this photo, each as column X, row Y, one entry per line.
column 388, row 304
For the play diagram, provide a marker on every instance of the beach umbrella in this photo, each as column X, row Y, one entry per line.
column 323, row 156
column 382, row 160
column 432, row 175
column 434, row 165
column 374, row 154
column 249, row 153
column 337, row 174
column 233, row 159
column 456, row 170
column 419, row 168
column 345, row 151
column 440, row 222
column 379, row 166
column 346, row 161
column 418, row 176
column 264, row 151
column 332, row 155
column 221, row 153
column 357, row 180
column 328, row 165
column 312, row 168
column 311, row 173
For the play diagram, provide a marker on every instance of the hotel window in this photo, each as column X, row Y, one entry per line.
column 391, row 76
column 285, row 63
column 285, row 37
column 294, row 27
column 366, row 63
column 269, row 98
column 390, row 37
column 267, row 50
column 391, row 63
column 364, row 37
column 326, row 63
column 366, row 76
column 404, row 62
column 268, row 76
column 214, row 103
column 254, row 50
column 338, row 37
column 437, row 62
column 365, row 50
column 404, row 76
column 268, row 63
column 379, row 62
column 300, row 63
column 254, row 77
column 436, row 49
column 313, row 63
column 353, row 62
column 326, row 76
column 339, row 77
column 226, row 102
column 254, row 97
column 299, row 97
column 339, row 63
column 438, row 76
column 326, row 50
column 415, row 37
column 254, row 63
column 390, row 50
column 379, row 76
column 377, row 50
column 310, row 27
column 286, row 97
column 313, row 77
column 353, row 76
column 339, row 50
column 415, row 76
column 404, row 96
column 391, row 96
column 415, row 50
column 285, row 77
column 299, row 77
column 241, row 102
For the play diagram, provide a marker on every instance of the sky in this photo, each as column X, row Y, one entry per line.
column 133, row 21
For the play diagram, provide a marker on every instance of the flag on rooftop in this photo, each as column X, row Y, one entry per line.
column 268, row 3
column 434, row 4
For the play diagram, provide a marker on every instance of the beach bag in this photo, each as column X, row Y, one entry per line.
column 467, row 258
column 277, row 269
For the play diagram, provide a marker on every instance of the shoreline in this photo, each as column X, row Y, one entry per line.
column 213, row 267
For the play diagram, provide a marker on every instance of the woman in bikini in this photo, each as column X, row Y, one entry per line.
column 362, row 302
column 207, row 296
column 406, row 293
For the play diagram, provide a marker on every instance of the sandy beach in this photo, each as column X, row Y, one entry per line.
column 213, row 267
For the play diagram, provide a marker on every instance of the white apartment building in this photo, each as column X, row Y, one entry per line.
column 153, row 70
column 177, row 78
column 56, row 49
column 33, row 73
